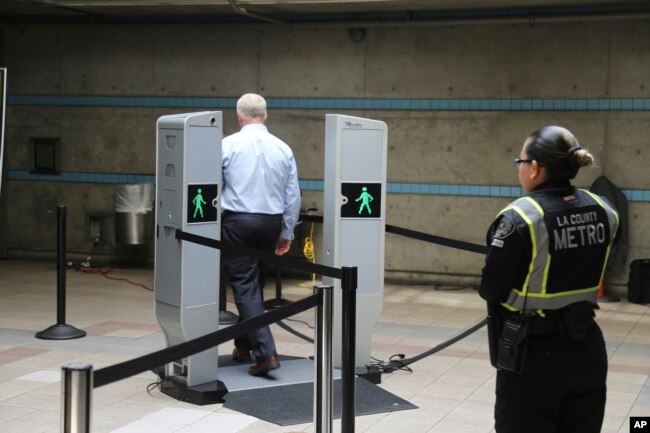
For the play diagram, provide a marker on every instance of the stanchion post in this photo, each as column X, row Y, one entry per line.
column 348, row 328
column 278, row 285
column 225, row 317
column 60, row 264
column 61, row 330
column 278, row 301
column 76, row 390
column 323, row 360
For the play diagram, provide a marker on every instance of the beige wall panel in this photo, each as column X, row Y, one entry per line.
column 304, row 132
column 516, row 61
column 34, row 219
column 476, row 147
column 103, row 140
column 311, row 63
column 589, row 60
column 638, row 218
column 33, row 58
column 133, row 60
column 629, row 68
column 205, row 60
column 107, row 60
column 628, row 155
column 442, row 147
column 23, row 123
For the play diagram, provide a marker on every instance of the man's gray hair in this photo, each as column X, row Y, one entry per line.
column 251, row 106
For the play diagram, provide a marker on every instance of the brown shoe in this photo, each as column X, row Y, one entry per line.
column 263, row 367
column 241, row 355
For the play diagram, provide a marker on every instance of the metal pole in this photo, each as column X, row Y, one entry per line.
column 349, row 308
column 61, row 330
column 60, row 265
column 323, row 360
column 277, row 302
column 278, row 285
column 225, row 316
column 76, row 387
column 222, row 288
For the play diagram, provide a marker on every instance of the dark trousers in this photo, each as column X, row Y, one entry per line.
column 245, row 274
column 561, row 390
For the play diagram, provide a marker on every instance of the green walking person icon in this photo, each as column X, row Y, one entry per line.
column 198, row 203
column 365, row 198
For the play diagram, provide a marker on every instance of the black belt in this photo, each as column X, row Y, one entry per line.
column 554, row 324
column 230, row 212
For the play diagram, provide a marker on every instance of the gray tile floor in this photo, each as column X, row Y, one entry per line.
column 453, row 389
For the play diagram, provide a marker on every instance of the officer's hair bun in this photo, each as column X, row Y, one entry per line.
column 557, row 149
column 583, row 158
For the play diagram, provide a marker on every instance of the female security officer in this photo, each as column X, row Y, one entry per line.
column 546, row 257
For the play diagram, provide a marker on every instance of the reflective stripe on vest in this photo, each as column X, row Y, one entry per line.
column 533, row 295
column 612, row 216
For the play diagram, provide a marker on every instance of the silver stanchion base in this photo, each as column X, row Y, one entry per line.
column 60, row 332
column 206, row 393
column 227, row 318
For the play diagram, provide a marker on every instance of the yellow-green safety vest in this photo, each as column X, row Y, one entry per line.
column 533, row 294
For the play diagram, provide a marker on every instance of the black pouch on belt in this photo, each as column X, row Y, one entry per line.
column 513, row 344
column 494, row 327
column 578, row 318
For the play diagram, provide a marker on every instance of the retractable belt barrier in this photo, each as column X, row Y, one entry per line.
column 129, row 368
column 79, row 379
column 452, row 243
column 267, row 257
column 425, row 237
column 132, row 367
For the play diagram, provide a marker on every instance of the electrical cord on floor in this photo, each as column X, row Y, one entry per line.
column 109, row 270
column 153, row 386
column 309, row 252
column 394, row 363
column 86, row 267
column 158, row 384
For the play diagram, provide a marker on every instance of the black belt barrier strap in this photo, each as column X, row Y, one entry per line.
column 397, row 364
column 312, row 218
column 116, row 372
column 460, row 245
column 286, row 262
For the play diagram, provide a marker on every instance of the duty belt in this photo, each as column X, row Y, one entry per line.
column 554, row 324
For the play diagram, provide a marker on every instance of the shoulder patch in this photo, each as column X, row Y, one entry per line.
column 504, row 229
column 497, row 243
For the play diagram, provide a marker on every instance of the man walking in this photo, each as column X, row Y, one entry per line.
column 260, row 203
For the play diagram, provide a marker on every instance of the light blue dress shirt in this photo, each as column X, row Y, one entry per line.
column 260, row 176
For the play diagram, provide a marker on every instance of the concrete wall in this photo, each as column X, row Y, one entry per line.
column 545, row 61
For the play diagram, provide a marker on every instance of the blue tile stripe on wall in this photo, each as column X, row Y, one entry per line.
column 532, row 104
column 637, row 195
column 76, row 177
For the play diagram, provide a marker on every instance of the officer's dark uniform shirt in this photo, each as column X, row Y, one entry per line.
column 573, row 265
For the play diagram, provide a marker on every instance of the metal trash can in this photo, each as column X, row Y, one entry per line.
column 133, row 216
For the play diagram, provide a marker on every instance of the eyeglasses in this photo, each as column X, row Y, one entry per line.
column 519, row 161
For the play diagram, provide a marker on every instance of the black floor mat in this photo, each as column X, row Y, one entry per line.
column 293, row 404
